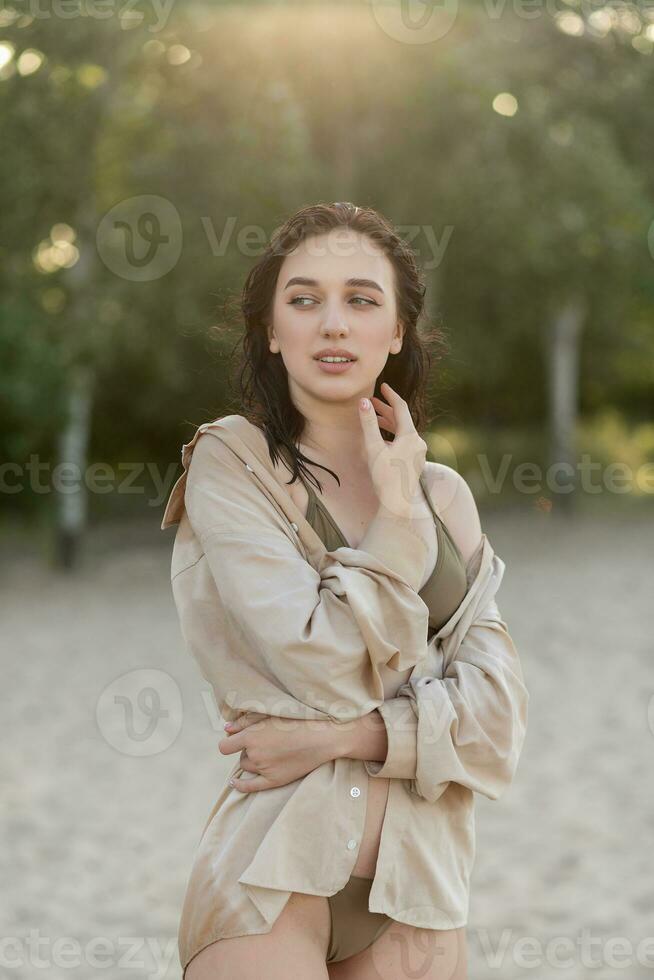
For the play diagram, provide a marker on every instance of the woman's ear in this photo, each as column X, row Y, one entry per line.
column 273, row 345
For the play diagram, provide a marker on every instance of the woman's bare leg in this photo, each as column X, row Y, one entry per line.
column 403, row 952
column 296, row 947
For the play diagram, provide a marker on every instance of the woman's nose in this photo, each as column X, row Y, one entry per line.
column 334, row 321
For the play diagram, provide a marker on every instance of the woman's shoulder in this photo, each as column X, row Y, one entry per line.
column 455, row 505
column 237, row 425
column 213, row 465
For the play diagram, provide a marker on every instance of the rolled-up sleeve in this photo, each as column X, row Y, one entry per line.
column 402, row 736
column 466, row 726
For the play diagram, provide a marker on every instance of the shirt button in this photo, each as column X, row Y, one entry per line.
column 355, row 791
column 248, row 467
column 294, row 525
column 351, row 844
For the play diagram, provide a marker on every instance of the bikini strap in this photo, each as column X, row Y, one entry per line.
column 428, row 497
column 440, row 523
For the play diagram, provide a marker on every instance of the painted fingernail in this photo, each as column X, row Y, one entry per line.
column 365, row 404
column 227, row 725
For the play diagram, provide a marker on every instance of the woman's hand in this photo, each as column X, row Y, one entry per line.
column 395, row 467
column 279, row 750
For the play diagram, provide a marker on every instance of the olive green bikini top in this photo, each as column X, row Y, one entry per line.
column 445, row 588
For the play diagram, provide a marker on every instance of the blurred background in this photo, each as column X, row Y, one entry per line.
column 149, row 150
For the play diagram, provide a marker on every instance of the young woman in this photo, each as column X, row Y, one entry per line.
column 349, row 631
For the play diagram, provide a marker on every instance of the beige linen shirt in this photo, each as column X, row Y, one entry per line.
column 280, row 625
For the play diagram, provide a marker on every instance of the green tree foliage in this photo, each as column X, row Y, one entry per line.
column 237, row 114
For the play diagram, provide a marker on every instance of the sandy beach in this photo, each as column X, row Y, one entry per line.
column 100, row 819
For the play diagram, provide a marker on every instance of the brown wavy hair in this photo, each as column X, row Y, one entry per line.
column 261, row 384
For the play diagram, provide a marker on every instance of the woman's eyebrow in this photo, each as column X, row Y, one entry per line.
column 360, row 283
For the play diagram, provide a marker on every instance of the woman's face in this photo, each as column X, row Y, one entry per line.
column 318, row 305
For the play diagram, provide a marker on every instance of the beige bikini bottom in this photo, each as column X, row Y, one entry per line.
column 353, row 926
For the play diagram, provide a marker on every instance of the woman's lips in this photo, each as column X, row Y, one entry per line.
column 332, row 367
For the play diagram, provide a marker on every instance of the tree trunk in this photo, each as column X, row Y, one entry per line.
column 565, row 338
column 72, row 502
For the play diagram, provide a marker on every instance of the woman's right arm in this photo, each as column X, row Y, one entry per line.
column 289, row 629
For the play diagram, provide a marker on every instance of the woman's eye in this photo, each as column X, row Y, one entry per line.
column 296, row 300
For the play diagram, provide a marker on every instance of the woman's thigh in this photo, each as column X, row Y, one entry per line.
column 403, row 951
column 296, row 946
